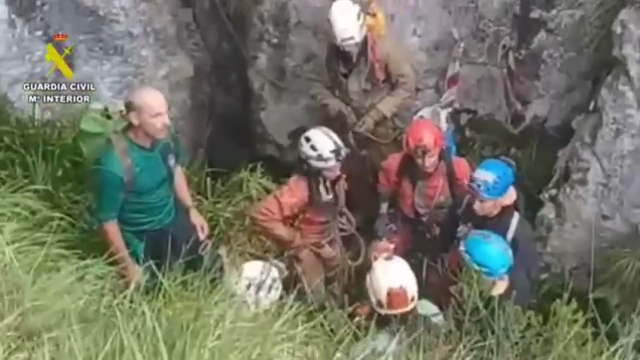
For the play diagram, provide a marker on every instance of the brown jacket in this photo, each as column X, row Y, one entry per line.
column 384, row 79
column 288, row 218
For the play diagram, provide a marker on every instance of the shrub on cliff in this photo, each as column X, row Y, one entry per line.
column 59, row 300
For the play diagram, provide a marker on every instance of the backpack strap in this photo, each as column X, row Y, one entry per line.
column 122, row 151
column 452, row 177
column 515, row 219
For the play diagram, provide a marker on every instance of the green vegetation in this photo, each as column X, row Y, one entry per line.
column 60, row 300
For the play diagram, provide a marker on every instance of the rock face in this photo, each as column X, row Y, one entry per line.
column 286, row 42
column 599, row 207
column 117, row 44
column 226, row 130
column 213, row 58
column 286, row 47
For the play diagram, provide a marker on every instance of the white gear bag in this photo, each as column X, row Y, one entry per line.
column 260, row 283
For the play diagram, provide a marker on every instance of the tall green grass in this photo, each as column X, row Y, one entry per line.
column 60, row 300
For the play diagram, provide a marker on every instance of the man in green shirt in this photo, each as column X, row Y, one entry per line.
column 143, row 202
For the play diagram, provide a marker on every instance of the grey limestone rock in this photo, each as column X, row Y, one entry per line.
column 118, row 44
column 286, row 40
column 598, row 207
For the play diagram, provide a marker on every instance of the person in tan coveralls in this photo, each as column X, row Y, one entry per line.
column 369, row 79
column 303, row 216
column 369, row 82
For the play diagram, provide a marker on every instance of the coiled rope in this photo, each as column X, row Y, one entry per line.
column 338, row 229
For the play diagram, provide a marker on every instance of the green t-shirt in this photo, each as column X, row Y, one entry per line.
column 148, row 201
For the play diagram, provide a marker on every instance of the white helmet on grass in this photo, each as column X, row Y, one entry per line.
column 260, row 283
column 392, row 286
column 348, row 23
column 321, row 148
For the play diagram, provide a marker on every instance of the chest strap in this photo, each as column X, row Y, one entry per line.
column 515, row 219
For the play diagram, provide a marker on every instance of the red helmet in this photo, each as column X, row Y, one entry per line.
column 423, row 135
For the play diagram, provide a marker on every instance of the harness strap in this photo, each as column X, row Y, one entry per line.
column 343, row 225
column 409, row 173
column 374, row 59
column 515, row 219
column 122, row 151
column 452, row 176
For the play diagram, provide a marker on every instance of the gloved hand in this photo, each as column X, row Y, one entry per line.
column 362, row 310
column 336, row 108
column 384, row 227
column 290, row 239
column 369, row 121
column 382, row 248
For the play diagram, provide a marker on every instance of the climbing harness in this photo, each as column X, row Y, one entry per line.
column 347, row 227
column 513, row 226
column 426, row 225
column 345, row 271
column 376, row 27
column 344, row 226
column 448, row 100
column 507, row 61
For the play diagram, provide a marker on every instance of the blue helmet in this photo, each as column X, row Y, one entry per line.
column 492, row 179
column 487, row 252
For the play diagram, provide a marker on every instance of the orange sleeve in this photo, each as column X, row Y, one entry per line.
column 274, row 213
column 463, row 170
column 387, row 176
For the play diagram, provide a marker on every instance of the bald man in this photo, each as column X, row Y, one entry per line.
column 142, row 197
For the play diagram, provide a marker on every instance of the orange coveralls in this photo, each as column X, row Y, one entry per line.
column 430, row 193
column 306, row 227
column 431, row 196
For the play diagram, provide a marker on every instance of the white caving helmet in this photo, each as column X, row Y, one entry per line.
column 392, row 286
column 321, row 148
column 348, row 23
column 260, row 283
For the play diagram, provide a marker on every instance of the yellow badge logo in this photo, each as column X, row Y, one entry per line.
column 53, row 56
